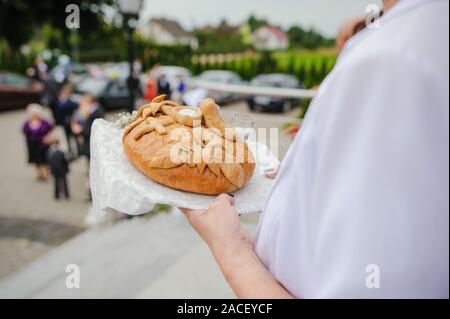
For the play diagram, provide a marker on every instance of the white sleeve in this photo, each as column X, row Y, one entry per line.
column 380, row 193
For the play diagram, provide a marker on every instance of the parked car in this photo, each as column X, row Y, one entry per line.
column 17, row 91
column 110, row 93
column 274, row 104
column 221, row 77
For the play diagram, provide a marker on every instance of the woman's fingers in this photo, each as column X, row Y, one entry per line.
column 225, row 199
column 272, row 173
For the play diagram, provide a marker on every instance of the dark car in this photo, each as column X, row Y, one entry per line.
column 221, row 77
column 274, row 104
column 110, row 93
column 17, row 91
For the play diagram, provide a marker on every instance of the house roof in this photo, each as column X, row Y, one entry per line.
column 277, row 32
column 221, row 28
column 172, row 26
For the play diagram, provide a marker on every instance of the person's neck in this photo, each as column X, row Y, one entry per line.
column 388, row 4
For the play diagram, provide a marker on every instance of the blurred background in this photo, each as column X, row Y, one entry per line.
column 100, row 58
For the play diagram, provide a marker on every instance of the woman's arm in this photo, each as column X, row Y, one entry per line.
column 233, row 250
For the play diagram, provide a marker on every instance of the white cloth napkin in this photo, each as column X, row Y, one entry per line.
column 116, row 184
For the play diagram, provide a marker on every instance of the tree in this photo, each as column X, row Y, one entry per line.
column 267, row 63
column 221, row 39
column 299, row 38
column 254, row 23
column 296, row 36
column 19, row 19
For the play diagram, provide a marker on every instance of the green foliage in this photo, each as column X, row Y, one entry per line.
column 255, row 23
column 148, row 52
column 161, row 208
column 223, row 39
column 266, row 63
column 41, row 25
column 19, row 19
column 310, row 68
column 158, row 209
column 12, row 60
column 301, row 39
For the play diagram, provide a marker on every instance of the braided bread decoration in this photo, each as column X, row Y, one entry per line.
column 187, row 148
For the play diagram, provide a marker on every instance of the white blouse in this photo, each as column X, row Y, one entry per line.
column 360, row 208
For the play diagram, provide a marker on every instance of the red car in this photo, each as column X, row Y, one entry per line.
column 17, row 91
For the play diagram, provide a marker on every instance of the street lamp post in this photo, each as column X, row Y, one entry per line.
column 130, row 10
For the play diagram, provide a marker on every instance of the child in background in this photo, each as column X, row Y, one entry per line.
column 58, row 168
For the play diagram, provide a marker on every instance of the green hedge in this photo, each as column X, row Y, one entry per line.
column 14, row 61
column 310, row 69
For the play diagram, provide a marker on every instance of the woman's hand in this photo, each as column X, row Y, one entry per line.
column 232, row 247
column 272, row 172
column 219, row 225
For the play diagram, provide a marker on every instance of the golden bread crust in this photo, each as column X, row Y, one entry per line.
column 147, row 145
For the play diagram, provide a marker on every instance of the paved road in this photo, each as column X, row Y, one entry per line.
column 31, row 222
column 145, row 257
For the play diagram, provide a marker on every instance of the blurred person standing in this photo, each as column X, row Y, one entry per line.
column 77, row 122
column 180, row 89
column 89, row 110
column 50, row 95
column 39, row 70
column 134, row 84
column 134, row 91
column 155, row 72
column 164, row 86
column 59, row 168
column 137, row 67
column 151, row 87
column 36, row 130
column 65, row 107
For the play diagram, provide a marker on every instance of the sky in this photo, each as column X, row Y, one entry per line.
column 325, row 16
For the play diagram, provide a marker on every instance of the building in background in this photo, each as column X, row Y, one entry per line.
column 269, row 38
column 168, row 32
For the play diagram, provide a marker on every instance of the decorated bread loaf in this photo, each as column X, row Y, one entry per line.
column 188, row 148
